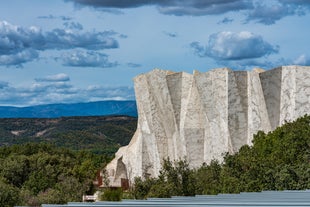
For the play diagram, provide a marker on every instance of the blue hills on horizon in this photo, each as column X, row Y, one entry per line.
column 98, row 108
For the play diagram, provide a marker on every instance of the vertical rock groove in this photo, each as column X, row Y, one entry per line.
column 200, row 116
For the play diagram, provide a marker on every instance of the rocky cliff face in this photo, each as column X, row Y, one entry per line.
column 200, row 116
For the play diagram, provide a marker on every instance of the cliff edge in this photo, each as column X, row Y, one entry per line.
column 200, row 116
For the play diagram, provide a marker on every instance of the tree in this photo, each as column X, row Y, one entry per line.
column 141, row 187
column 208, row 178
column 175, row 179
column 41, row 173
column 9, row 195
column 15, row 169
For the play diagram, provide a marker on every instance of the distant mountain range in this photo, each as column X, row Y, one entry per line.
column 99, row 108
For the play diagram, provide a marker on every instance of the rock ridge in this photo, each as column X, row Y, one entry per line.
column 200, row 116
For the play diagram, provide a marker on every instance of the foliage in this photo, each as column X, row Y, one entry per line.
column 208, row 178
column 9, row 195
column 142, row 187
column 279, row 160
column 35, row 173
column 112, row 194
column 99, row 134
column 174, row 179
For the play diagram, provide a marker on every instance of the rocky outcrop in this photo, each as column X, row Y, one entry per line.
column 200, row 116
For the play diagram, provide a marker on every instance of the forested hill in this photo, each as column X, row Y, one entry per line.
column 99, row 108
column 101, row 134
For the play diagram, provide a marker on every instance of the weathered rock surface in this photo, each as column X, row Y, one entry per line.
column 200, row 116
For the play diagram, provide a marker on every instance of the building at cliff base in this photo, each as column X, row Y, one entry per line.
column 201, row 116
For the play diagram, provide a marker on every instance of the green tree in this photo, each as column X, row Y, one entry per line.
column 110, row 194
column 42, row 173
column 141, row 187
column 208, row 178
column 15, row 169
column 9, row 194
column 175, row 179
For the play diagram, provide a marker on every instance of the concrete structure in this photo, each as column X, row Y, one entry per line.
column 200, row 116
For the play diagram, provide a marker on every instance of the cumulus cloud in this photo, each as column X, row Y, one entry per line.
column 37, row 93
column 67, row 39
column 297, row 2
column 73, row 25
column 117, row 3
column 87, row 59
column 15, row 39
column 199, row 8
column 61, row 77
column 270, row 13
column 235, row 46
column 265, row 11
column 110, row 93
column 19, row 45
column 174, row 7
column 60, row 92
column 18, row 58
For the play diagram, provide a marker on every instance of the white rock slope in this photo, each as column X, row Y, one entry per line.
column 200, row 116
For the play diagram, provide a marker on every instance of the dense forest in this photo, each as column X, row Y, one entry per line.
column 278, row 160
column 55, row 160
column 99, row 134
column 35, row 173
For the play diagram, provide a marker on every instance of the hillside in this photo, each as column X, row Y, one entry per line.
column 101, row 134
column 99, row 108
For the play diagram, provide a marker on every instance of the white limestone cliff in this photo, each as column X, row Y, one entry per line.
column 200, row 116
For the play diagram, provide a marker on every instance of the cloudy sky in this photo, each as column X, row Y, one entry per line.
column 66, row 51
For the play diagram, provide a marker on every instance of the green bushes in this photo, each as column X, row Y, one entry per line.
column 279, row 160
column 111, row 194
column 9, row 195
column 33, row 174
column 174, row 179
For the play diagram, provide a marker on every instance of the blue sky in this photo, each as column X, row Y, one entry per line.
column 67, row 51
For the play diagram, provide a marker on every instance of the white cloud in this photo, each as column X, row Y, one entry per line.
column 87, row 59
column 174, row 7
column 19, row 57
column 105, row 93
column 59, row 92
column 19, row 45
column 61, row 77
column 235, row 46
column 262, row 11
column 68, row 39
column 272, row 12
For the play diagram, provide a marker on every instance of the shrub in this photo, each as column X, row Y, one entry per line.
column 112, row 194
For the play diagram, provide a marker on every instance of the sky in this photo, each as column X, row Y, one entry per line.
column 69, row 51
